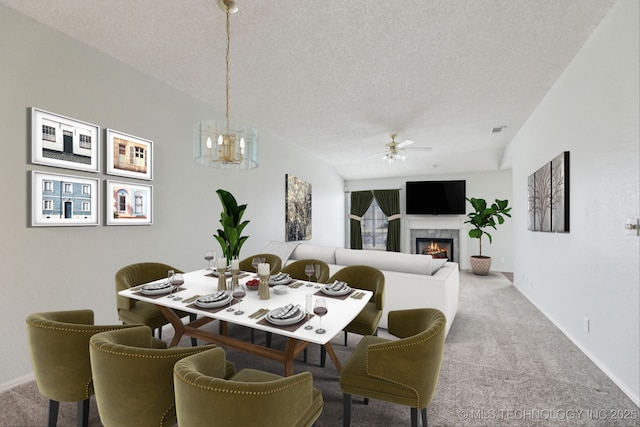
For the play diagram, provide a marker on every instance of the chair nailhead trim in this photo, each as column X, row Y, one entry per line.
column 223, row 390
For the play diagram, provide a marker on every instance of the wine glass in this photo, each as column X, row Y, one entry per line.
column 239, row 292
column 309, row 269
column 308, row 307
column 230, row 292
column 320, row 309
column 177, row 281
column 209, row 256
column 170, row 275
column 254, row 263
column 317, row 276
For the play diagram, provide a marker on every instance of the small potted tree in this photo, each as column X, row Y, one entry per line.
column 229, row 236
column 481, row 218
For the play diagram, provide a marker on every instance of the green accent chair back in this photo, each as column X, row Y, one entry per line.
column 296, row 270
column 371, row 279
column 274, row 261
column 59, row 347
column 131, row 311
column 133, row 381
column 249, row 398
column 403, row 371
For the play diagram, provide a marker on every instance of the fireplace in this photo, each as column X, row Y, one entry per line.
column 450, row 237
column 436, row 247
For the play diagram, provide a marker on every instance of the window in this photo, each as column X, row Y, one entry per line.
column 48, row 133
column 47, row 205
column 374, row 228
column 86, row 206
column 47, row 186
column 68, row 188
column 85, row 141
column 86, row 190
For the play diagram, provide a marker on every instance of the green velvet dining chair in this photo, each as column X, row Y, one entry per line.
column 371, row 279
column 403, row 371
column 274, row 261
column 296, row 270
column 249, row 398
column 134, row 382
column 59, row 348
column 131, row 311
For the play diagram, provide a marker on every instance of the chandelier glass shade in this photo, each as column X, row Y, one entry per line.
column 222, row 144
column 394, row 155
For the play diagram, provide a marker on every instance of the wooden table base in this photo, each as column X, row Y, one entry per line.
column 292, row 348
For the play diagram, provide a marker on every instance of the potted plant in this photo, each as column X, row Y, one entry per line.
column 481, row 218
column 230, row 218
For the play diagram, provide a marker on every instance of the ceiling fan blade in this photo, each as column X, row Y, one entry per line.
column 404, row 143
column 377, row 154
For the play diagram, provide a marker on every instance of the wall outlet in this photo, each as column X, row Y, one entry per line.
column 586, row 324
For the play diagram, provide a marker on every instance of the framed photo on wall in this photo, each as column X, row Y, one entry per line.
column 129, row 155
column 129, row 203
column 64, row 142
column 297, row 209
column 63, row 200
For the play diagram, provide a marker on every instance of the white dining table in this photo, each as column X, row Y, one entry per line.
column 341, row 311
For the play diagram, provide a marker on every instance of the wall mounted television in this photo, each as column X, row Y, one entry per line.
column 436, row 197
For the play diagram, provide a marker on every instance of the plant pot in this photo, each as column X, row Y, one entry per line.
column 480, row 265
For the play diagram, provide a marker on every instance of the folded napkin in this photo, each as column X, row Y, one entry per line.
column 336, row 286
column 216, row 296
column 285, row 312
column 156, row 286
column 278, row 277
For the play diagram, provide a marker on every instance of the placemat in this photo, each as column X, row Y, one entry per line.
column 345, row 296
column 288, row 328
column 213, row 309
column 157, row 296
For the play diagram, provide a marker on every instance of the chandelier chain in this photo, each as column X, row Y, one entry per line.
column 227, row 67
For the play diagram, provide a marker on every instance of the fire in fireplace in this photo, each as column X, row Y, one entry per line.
column 436, row 247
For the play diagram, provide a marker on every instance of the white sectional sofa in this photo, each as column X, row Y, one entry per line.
column 411, row 281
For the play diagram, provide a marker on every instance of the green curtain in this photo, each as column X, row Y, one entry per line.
column 360, row 202
column 389, row 202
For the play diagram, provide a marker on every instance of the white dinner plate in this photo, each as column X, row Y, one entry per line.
column 325, row 290
column 226, row 273
column 214, row 304
column 279, row 279
column 288, row 321
column 157, row 291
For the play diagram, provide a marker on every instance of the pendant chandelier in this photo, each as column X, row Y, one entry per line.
column 223, row 144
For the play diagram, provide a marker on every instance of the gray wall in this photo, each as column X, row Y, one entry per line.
column 593, row 271
column 59, row 268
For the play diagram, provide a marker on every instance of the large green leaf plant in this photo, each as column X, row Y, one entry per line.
column 483, row 217
column 229, row 236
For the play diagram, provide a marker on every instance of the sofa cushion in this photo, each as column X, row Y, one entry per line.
column 383, row 260
column 307, row 251
column 436, row 264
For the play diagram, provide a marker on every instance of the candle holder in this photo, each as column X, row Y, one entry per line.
column 263, row 287
column 234, row 276
column 222, row 281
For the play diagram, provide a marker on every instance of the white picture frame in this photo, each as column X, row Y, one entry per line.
column 128, row 156
column 59, row 200
column 128, row 203
column 64, row 142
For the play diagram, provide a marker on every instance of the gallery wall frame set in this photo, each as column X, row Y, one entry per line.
column 548, row 196
column 68, row 200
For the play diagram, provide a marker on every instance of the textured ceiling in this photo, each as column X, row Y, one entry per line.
column 338, row 77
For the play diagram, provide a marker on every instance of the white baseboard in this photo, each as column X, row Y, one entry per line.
column 621, row 385
column 14, row 383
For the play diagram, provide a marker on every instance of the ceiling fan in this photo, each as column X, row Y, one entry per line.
column 394, row 150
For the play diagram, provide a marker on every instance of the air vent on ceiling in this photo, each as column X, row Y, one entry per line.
column 498, row 129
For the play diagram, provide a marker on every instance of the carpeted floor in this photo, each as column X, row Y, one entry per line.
column 505, row 364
